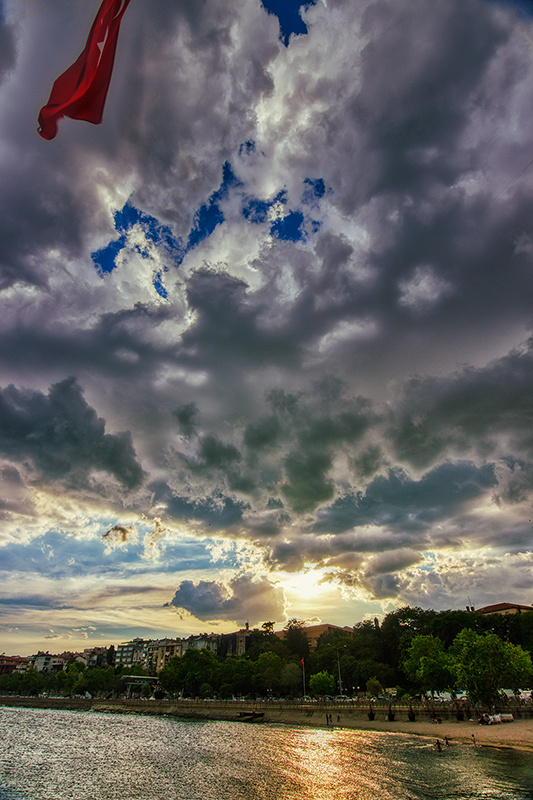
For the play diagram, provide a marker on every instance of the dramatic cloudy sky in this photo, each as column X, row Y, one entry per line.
column 266, row 332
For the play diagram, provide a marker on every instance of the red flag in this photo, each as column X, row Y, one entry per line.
column 80, row 92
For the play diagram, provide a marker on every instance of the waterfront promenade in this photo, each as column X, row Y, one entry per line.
column 516, row 734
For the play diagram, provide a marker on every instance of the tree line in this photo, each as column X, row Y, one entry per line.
column 411, row 649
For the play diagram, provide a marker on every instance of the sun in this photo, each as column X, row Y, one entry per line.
column 307, row 585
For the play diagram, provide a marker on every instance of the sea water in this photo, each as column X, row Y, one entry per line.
column 70, row 755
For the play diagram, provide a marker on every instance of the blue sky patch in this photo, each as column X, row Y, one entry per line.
column 105, row 259
column 315, row 189
column 289, row 16
column 289, row 228
column 256, row 211
column 64, row 556
column 159, row 286
column 209, row 215
column 247, row 148
column 526, row 6
column 153, row 229
column 205, row 220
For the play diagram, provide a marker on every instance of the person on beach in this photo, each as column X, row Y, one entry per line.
column 327, row 720
column 438, row 746
column 446, row 741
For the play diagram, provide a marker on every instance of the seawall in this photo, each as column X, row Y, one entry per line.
column 518, row 734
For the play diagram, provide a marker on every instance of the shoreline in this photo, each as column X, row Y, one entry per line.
column 517, row 735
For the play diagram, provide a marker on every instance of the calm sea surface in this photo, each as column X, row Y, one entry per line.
column 70, row 755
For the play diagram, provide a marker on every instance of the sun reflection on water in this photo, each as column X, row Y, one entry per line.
column 61, row 755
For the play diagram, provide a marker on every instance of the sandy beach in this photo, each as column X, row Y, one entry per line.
column 517, row 734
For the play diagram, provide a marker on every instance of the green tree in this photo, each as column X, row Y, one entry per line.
column 265, row 641
column 447, row 624
column 334, row 649
column 237, row 672
column 295, row 639
column 201, row 666
column 322, row 683
column 172, row 675
column 373, row 687
column 32, row 682
column 427, row 665
column 368, row 669
column 367, row 641
column 268, row 672
column 485, row 664
column 291, row 677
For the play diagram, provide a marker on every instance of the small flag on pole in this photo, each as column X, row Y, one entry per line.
column 80, row 91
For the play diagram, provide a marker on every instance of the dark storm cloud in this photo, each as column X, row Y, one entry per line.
column 262, row 434
column 470, row 411
column 227, row 330
column 186, row 416
column 291, row 450
column 516, row 483
column 426, row 104
column 15, row 497
column 216, row 454
column 7, row 46
column 117, row 343
column 243, row 598
column 214, row 457
column 321, row 550
column 62, row 436
column 50, row 212
column 215, row 509
column 307, row 484
column 161, row 114
column 393, row 512
column 414, row 100
column 396, row 501
column 292, row 375
column 182, row 109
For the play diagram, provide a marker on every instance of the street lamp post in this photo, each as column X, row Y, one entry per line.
column 339, row 668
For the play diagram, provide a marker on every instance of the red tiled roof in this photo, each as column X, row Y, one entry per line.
column 502, row 607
